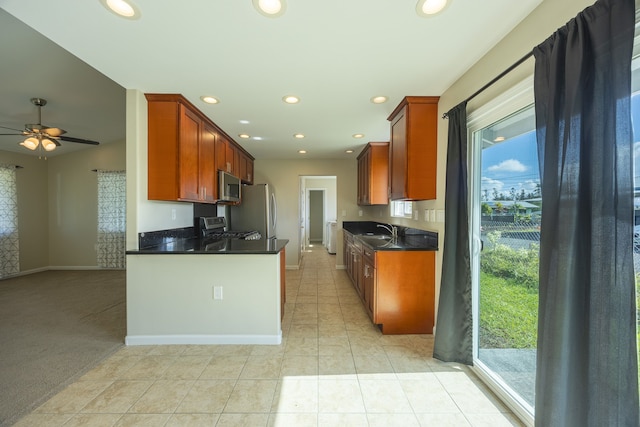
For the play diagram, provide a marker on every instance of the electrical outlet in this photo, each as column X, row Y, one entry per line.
column 416, row 214
column 432, row 215
column 173, row 214
column 440, row 215
column 344, row 213
column 426, row 215
column 360, row 212
column 217, row 292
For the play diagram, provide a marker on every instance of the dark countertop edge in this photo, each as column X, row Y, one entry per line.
column 279, row 246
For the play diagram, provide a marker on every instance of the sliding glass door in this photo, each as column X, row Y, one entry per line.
column 506, row 227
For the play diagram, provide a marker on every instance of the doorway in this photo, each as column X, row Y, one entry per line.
column 317, row 206
column 315, row 217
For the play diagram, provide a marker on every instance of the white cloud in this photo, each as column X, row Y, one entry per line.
column 529, row 185
column 490, row 184
column 511, row 165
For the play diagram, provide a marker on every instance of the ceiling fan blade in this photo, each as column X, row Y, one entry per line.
column 54, row 132
column 79, row 140
column 17, row 130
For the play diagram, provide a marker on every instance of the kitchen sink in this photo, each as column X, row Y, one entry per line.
column 377, row 236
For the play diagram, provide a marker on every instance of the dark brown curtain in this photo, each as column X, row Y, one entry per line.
column 587, row 372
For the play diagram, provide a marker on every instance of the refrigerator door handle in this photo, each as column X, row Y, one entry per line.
column 274, row 211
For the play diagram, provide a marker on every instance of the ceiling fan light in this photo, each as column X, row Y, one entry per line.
column 30, row 143
column 427, row 8
column 48, row 144
column 270, row 8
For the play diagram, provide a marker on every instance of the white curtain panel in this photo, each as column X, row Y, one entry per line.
column 111, row 219
column 9, row 243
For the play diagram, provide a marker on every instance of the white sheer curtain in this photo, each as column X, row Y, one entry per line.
column 9, row 243
column 111, row 219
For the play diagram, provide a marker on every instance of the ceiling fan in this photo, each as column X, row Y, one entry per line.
column 38, row 135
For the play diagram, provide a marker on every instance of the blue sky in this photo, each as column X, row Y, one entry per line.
column 511, row 164
column 514, row 163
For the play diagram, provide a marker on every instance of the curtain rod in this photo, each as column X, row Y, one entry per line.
column 495, row 79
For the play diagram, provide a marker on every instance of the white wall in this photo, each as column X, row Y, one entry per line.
column 73, row 203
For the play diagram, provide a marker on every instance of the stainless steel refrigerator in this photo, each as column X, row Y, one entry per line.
column 257, row 211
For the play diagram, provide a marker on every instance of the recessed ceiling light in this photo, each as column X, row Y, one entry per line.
column 499, row 139
column 358, row 135
column 430, row 7
column 291, row 99
column 379, row 99
column 302, row 151
column 210, row 99
column 244, row 136
column 123, row 8
column 244, row 122
column 298, row 135
column 349, row 151
column 270, row 8
column 257, row 138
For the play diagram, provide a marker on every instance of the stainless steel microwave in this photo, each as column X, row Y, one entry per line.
column 229, row 187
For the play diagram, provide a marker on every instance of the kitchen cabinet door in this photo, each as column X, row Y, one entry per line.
column 369, row 284
column 208, row 178
column 373, row 174
column 225, row 155
column 189, row 141
column 413, row 149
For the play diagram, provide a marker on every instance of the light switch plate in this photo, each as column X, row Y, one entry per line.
column 432, row 215
column 440, row 213
column 426, row 215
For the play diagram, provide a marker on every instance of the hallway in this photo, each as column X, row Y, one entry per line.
column 334, row 368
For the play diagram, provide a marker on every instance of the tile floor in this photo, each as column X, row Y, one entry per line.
column 334, row 368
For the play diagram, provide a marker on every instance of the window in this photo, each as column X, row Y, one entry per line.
column 505, row 211
column 401, row 209
column 111, row 219
column 9, row 242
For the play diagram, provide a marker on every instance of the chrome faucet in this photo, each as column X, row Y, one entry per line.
column 391, row 229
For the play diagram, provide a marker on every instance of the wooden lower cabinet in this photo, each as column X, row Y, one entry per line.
column 283, row 283
column 404, row 291
column 397, row 288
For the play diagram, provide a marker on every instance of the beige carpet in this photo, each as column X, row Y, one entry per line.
column 54, row 327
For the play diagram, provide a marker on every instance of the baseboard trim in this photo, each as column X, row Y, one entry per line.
column 133, row 340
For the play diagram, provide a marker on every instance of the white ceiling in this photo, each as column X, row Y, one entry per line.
column 334, row 54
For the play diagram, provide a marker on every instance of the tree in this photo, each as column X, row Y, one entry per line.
column 499, row 207
column 486, row 209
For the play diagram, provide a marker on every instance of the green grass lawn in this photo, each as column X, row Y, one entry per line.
column 509, row 314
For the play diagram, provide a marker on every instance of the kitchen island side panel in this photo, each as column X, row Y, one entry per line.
column 170, row 299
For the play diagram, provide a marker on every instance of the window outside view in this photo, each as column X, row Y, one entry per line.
column 510, row 210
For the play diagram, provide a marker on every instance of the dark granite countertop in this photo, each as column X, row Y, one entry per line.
column 182, row 241
column 379, row 239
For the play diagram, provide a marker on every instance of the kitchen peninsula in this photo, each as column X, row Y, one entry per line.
column 234, row 293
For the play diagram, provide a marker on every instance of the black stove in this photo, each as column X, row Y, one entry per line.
column 212, row 227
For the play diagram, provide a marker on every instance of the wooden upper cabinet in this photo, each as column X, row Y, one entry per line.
column 373, row 174
column 185, row 151
column 245, row 167
column 225, row 156
column 207, row 164
column 413, row 149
